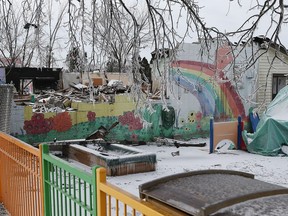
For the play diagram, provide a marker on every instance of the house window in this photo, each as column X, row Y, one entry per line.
column 279, row 81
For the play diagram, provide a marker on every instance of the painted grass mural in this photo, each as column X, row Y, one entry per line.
column 131, row 127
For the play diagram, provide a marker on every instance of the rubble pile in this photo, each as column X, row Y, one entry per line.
column 60, row 101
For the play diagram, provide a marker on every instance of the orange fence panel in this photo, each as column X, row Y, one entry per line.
column 20, row 177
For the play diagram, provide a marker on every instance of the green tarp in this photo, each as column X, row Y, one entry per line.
column 272, row 129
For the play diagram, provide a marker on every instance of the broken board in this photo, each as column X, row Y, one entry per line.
column 179, row 143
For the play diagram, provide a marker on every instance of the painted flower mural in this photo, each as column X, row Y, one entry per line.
column 198, row 119
column 134, row 137
column 91, row 116
column 198, row 116
column 38, row 124
column 191, row 117
column 133, row 122
column 62, row 122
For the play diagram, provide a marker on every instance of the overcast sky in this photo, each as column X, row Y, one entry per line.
column 228, row 16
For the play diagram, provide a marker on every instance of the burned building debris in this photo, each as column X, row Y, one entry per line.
column 27, row 80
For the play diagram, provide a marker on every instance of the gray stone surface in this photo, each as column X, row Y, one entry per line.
column 265, row 206
column 193, row 193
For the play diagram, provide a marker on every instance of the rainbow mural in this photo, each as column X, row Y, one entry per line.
column 219, row 100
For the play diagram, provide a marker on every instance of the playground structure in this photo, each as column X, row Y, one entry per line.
column 117, row 159
column 226, row 133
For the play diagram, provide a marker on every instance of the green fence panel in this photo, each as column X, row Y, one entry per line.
column 68, row 190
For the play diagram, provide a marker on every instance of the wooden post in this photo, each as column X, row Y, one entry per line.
column 239, row 133
column 1, row 176
column 101, row 196
column 211, row 135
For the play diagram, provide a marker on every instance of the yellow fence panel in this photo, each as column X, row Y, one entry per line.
column 112, row 200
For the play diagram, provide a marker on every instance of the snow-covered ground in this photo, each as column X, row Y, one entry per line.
column 269, row 169
column 3, row 210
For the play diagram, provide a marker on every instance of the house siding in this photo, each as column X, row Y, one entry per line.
column 265, row 75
